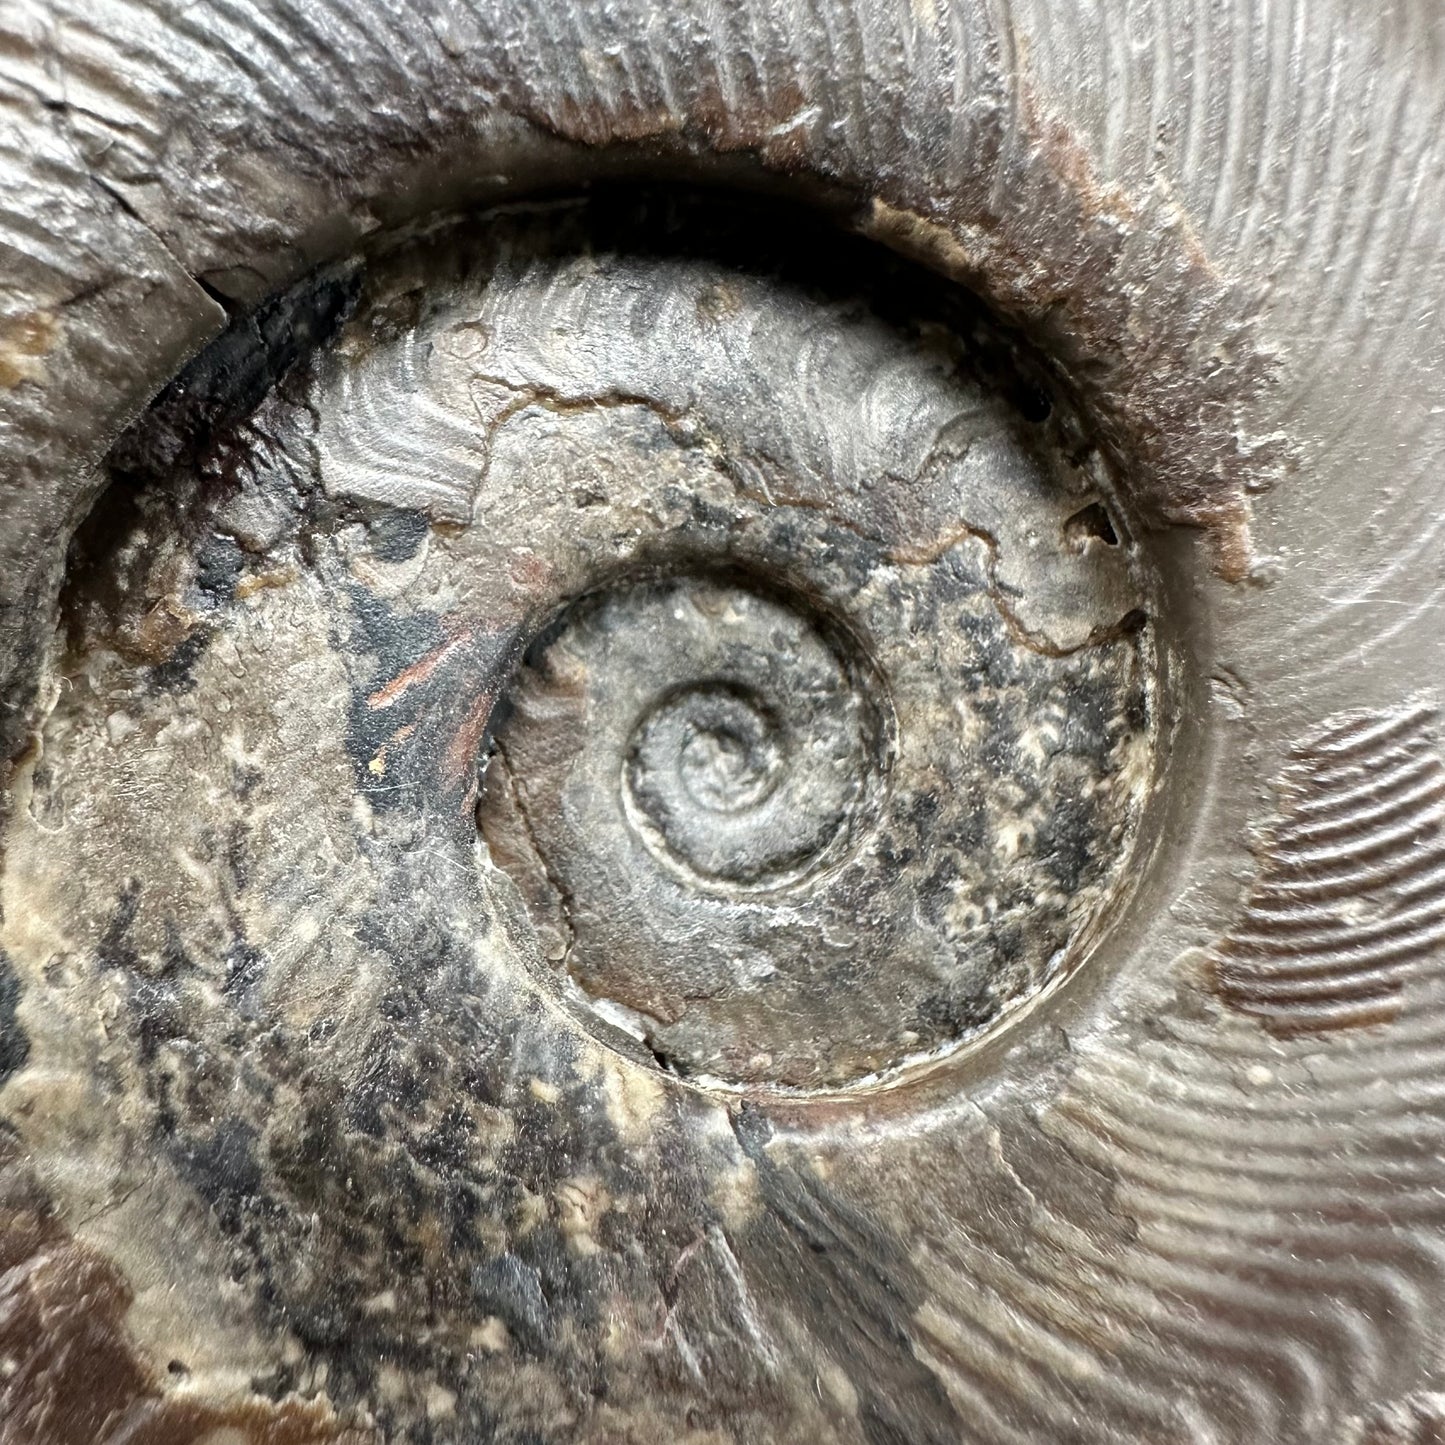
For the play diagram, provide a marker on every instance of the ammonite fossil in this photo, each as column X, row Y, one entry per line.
column 721, row 723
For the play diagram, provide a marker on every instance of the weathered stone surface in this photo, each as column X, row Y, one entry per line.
column 624, row 821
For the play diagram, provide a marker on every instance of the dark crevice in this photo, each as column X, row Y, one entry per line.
column 230, row 379
column 1091, row 523
column 663, row 1060
column 227, row 303
column 558, row 886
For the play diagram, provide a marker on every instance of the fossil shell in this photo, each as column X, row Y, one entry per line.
column 721, row 723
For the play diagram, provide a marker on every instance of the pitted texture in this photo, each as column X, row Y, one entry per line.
column 254, row 1040
column 984, row 136
column 813, row 738
column 876, row 628
column 802, row 868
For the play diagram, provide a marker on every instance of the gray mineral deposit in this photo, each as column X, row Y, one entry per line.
column 720, row 722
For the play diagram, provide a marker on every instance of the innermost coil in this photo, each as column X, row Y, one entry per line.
column 746, row 764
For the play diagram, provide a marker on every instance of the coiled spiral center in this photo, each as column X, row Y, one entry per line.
column 748, row 761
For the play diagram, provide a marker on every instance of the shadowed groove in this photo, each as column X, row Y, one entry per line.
column 1205, row 1139
column 1417, row 1420
column 1287, row 165
column 1237, row 1188
column 1243, row 1267
column 1293, row 962
column 1066, row 1308
column 901, row 78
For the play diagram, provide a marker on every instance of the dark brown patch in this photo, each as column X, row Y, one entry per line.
column 69, row 1372
column 1351, row 890
column 1150, row 411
